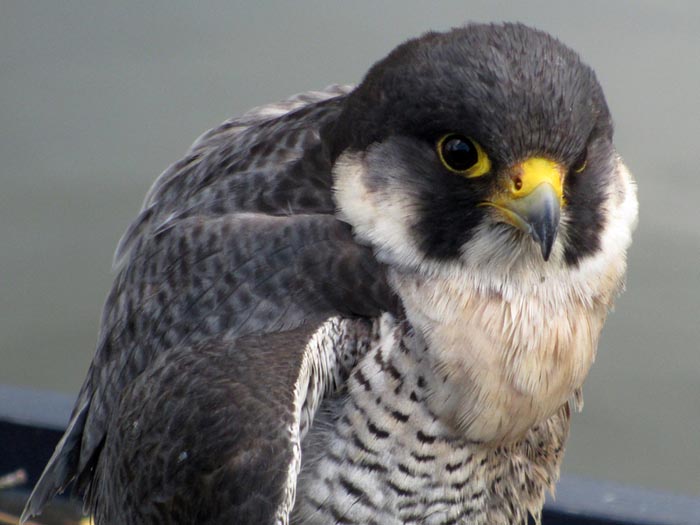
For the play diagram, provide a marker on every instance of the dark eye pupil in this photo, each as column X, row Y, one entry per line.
column 459, row 153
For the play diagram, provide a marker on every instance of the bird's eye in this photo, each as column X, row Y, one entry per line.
column 580, row 163
column 463, row 155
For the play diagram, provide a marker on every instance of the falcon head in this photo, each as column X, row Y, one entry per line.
column 479, row 163
column 498, row 134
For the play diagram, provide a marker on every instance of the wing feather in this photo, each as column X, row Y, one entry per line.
column 211, row 432
column 239, row 239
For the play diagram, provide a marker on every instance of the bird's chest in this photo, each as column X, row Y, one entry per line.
column 506, row 363
column 377, row 454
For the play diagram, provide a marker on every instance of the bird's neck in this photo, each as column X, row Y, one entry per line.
column 500, row 365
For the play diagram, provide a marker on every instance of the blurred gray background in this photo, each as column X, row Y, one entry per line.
column 97, row 98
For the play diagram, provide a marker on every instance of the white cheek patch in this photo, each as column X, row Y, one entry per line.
column 380, row 218
column 622, row 214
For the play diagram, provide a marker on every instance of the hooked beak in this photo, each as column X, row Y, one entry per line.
column 531, row 199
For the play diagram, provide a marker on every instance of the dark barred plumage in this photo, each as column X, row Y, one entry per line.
column 316, row 320
column 434, row 475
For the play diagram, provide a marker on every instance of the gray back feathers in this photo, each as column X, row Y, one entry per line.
column 236, row 239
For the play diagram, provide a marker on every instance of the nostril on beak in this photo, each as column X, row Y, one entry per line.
column 517, row 182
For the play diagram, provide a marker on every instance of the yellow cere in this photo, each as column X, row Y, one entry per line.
column 534, row 171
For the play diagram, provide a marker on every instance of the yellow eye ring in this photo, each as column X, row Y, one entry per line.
column 462, row 155
column 581, row 162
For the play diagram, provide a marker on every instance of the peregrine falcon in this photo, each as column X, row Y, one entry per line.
column 370, row 305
